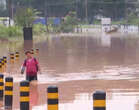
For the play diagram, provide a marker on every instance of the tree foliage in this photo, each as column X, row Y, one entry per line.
column 69, row 22
column 116, row 9
column 25, row 17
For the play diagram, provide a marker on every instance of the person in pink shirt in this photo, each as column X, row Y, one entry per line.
column 32, row 67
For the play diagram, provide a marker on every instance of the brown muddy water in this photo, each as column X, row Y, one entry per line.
column 79, row 66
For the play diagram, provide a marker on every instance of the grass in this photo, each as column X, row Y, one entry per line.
column 15, row 33
column 7, row 32
column 90, row 26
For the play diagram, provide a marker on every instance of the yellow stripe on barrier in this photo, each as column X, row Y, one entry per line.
column 1, row 80
column 8, row 92
column 1, row 87
column 9, row 84
column 99, row 103
column 52, row 95
column 24, row 99
column 24, row 89
column 53, row 107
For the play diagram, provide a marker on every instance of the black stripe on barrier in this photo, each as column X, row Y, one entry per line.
column 24, row 84
column 1, row 94
column 99, row 108
column 8, row 79
column 99, row 96
column 52, row 101
column 8, row 101
column 24, row 105
column 1, row 76
column 8, row 88
column 24, row 93
column 1, row 83
column 52, row 90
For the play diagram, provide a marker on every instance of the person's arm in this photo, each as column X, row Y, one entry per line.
column 38, row 65
column 23, row 67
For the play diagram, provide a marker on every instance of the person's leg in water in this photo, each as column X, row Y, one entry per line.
column 28, row 78
column 31, row 78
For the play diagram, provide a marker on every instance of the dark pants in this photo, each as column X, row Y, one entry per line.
column 31, row 78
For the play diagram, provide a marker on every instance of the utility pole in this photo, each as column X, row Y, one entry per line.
column 76, row 8
column 10, row 7
column 46, row 14
column 86, row 10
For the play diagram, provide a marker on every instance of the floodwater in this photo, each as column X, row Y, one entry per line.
column 79, row 66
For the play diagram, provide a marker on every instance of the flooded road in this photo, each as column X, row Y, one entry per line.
column 79, row 66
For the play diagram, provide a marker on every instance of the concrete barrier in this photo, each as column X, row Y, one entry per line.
column 52, row 98
column 8, row 93
column 24, row 95
column 99, row 100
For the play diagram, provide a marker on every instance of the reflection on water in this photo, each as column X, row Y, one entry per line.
column 79, row 66
column 115, row 100
column 28, row 45
column 34, row 96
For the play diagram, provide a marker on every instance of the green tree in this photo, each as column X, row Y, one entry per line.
column 69, row 22
column 24, row 17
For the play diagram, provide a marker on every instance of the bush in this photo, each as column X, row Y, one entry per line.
column 97, row 22
column 12, row 31
column 133, row 19
column 39, row 29
column 66, row 28
column 69, row 23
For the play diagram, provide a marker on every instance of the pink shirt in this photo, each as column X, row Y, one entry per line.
column 31, row 66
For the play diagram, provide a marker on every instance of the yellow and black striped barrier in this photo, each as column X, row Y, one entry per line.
column 37, row 51
column 8, row 93
column 99, row 100
column 1, row 86
column 12, row 57
column 5, row 62
column 17, row 56
column 52, row 98
column 24, row 95
column 1, row 66
column 32, row 51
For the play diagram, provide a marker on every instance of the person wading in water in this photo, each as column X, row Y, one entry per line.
column 32, row 67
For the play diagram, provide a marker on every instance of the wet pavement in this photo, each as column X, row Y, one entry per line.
column 79, row 66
